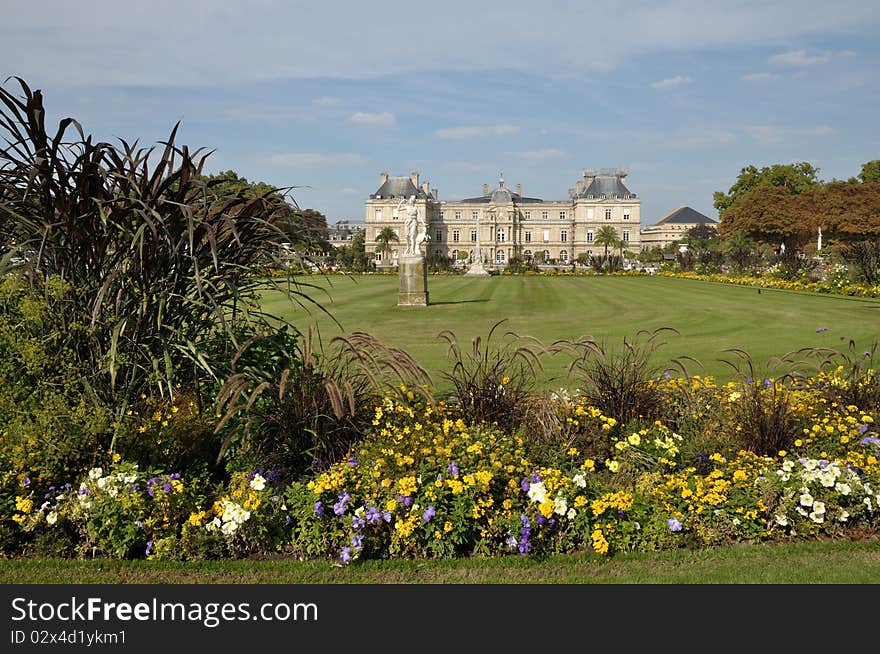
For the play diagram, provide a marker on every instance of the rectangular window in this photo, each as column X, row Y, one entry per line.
column 545, row 215
column 378, row 256
column 500, row 235
column 473, row 236
column 439, row 235
column 626, row 235
column 626, row 214
column 590, row 213
column 378, row 215
column 458, row 215
column 455, row 235
column 528, row 237
column 475, row 215
column 527, row 215
column 561, row 215
column 441, row 215
column 607, row 214
column 589, row 237
column 546, row 235
column 563, row 235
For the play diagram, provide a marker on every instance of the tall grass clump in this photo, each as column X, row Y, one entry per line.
column 493, row 383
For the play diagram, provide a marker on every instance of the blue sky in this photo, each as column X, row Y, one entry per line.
column 325, row 97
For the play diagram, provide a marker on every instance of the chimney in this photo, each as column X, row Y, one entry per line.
column 383, row 177
column 426, row 188
column 434, row 193
column 519, row 190
column 414, row 177
column 589, row 176
column 485, row 189
column 581, row 186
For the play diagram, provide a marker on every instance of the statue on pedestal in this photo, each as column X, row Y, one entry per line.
column 415, row 228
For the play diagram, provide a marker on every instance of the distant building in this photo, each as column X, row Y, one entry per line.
column 508, row 223
column 341, row 232
column 672, row 227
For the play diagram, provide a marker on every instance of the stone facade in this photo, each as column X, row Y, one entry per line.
column 672, row 227
column 507, row 223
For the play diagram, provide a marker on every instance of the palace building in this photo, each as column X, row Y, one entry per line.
column 503, row 224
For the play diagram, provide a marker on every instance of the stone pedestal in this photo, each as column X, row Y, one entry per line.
column 412, row 288
column 477, row 270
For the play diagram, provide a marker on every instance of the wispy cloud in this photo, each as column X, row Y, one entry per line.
column 314, row 159
column 476, row 131
column 539, row 155
column 694, row 138
column 384, row 119
column 760, row 77
column 678, row 80
column 773, row 134
column 467, row 167
column 326, row 101
column 800, row 58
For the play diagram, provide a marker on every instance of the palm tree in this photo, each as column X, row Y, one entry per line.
column 384, row 239
column 606, row 236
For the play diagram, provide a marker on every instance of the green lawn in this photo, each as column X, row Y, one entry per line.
column 820, row 562
column 709, row 316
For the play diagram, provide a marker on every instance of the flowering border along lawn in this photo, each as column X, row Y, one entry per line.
column 424, row 483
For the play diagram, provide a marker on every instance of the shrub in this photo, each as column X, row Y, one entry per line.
column 492, row 384
column 621, row 383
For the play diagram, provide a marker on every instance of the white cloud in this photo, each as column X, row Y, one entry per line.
column 799, row 58
column 326, row 101
column 476, row 131
column 540, row 155
column 760, row 77
column 694, row 138
column 314, row 159
column 223, row 45
column 384, row 119
column 772, row 134
column 671, row 81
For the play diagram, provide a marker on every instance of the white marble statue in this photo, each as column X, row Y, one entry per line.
column 414, row 226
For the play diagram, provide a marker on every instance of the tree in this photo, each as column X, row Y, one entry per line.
column 701, row 237
column 870, row 172
column 354, row 255
column 384, row 239
column 766, row 214
column 795, row 178
column 607, row 237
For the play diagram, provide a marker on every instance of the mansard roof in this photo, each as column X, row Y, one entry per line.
column 685, row 216
column 604, row 184
column 399, row 187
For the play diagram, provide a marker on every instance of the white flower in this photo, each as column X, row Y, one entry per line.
column 781, row 520
column 827, row 478
column 580, row 480
column 811, row 464
column 818, row 507
column 735, row 522
column 560, row 506
column 806, row 499
column 844, row 515
column 634, row 439
column 229, row 528
column 867, row 502
column 51, row 517
column 817, row 517
column 842, row 488
column 801, row 511
column 571, row 514
column 213, row 525
column 112, row 491
column 258, row 483
column 538, row 492
column 95, row 473
column 102, row 482
column 788, row 466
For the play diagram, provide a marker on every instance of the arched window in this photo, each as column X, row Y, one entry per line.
column 563, row 255
column 455, row 255
column 546, row 255
column 500, row 256
column 527, row 255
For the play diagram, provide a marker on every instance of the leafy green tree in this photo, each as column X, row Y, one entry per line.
column 354, row 255
column 384, row 239
column 702, row 237
column 795, row 178
column 870, row 172
column 607, row 237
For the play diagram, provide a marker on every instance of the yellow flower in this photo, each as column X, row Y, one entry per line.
column 505, row 380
